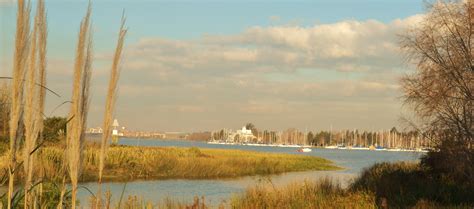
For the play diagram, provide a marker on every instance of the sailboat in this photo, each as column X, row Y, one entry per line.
column 330, row 141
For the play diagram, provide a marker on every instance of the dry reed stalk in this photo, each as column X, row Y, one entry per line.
column 63, row 191
column 42, row 42
column 34, row 102
column 80, row 103
column 30, row 116
column 110, row 105
column 16, row 114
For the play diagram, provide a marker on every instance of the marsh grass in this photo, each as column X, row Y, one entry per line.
column 20, row 59
column 34, row 98
column 80, row 104
column 125, row 163
column 307, row 194
column 110, row 106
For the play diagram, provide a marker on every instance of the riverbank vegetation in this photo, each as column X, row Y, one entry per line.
column 383, row 185
column 125, row 163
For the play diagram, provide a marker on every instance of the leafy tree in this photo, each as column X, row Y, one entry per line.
column 54, row 128
column 310, row 138
column 394, row 130
column 252, row 127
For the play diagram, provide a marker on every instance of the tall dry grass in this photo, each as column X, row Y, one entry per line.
column 80, row 104
column 110, row 106
column 307, row 194
column 30, row 117
column 34, row 96
column 132, row 163
column 20, row 59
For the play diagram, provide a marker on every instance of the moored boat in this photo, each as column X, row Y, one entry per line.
column 304, row 150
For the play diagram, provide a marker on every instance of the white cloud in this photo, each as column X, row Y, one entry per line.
column 355, row 65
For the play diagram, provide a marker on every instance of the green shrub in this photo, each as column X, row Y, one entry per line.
column 403, row 185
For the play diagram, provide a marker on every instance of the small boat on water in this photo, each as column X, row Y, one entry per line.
column 304, row 150
column 330, row 147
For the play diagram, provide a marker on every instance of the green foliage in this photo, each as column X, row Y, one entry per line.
column 251, row 126
column 49, row 197
column 54, row 128
column 404, row 185
column 3, row 144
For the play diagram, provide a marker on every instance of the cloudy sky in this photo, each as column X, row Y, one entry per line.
column 204, row 65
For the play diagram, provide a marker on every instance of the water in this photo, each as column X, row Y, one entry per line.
column 218, row 190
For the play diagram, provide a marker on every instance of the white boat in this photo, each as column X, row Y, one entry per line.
column 304, row 150
column 360, row 148
column 330, row 147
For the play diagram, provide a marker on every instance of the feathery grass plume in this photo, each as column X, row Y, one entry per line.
column 42, row 41
column 20, row 58
column 30, row 108
column 110, row 104
column 34, row 96
column 80, row 101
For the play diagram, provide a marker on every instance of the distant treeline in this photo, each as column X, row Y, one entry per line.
column 199, row 136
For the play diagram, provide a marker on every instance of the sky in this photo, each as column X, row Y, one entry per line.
column 206, row 65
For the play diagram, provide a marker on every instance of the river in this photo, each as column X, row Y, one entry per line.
column 218, row 190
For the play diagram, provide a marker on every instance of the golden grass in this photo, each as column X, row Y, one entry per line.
column 110, row 105
column 30, row 113
column 20, row 58
column 307, row 194
column 132, row 163
column 80, row 103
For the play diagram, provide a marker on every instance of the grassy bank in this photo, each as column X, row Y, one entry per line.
column 130, row 163
column 321, row 194
column 383, row 185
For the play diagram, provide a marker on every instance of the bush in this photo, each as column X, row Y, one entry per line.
column 452, row 166
column 403, row 185
column 54, row 128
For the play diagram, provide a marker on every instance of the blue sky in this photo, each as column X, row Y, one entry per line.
column 192, row 19
column 195, row 65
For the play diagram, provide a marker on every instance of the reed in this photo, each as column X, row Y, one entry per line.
column 132, row 163
column 34, row 97
column 42, row 64
column 20, row 58
column 80, row 102
column 30, row 108
column 307, row 194
column 110, row 105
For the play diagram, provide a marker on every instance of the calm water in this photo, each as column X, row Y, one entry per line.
column 220, row 190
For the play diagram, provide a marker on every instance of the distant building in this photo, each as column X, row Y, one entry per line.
column 245, row 134
column 97, row 130
column 115, row 130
